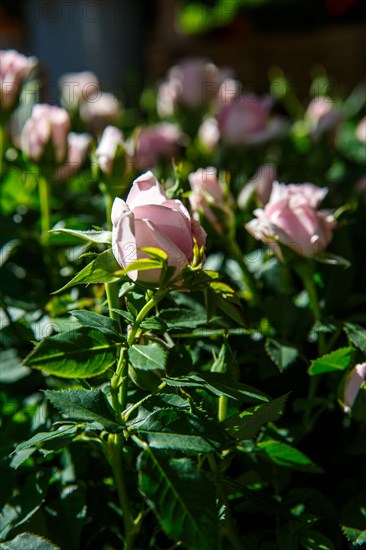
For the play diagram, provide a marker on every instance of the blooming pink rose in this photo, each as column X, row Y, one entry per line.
column 149, row 219
column 15, row 68
column 192, row 83
column 208, row 198
column 105, row 110
column 78, row 87
column 245, row 121
column 112, row 138
column 323, row 117
column 259, row 185
column 361, row 130
column 354, row 381
column 155, row 142
column 48, row 125
column 77, row 152
column 292, row 219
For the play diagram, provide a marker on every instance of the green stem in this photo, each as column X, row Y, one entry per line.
column 222, row 408
column 116, row 461
column 236, row 254
column 314, row 301
column 2, row 149
column 112, row 290
column 307, row 277
column 44, row 203
column 141, row 316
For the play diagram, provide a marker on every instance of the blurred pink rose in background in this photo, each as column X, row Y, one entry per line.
column 292, row 219
column 156, row 142
column 15, row 68
column 323, row 117
column 354, row 381
column 149, row 219
column 44, row 136
column 112, row 138
column 229, row 90
column 104, row 111
column 77, row 152
column 361, row 130
column 78, row 87
column 208, row 199
column 245, row 121
column 192, row 83
column 260, row 185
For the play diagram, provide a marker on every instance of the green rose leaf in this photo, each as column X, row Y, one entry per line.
column 104, row 324
column 103, row 269
column 149, row 357
column 182, row 499
column 338, row 360
column 85, row 406
column 246, row 424
column 96, row 237
column 172, row 428
column 81, row 353
column 282, row 355
column 28, row 541
column 356, row 335
column 287, row 456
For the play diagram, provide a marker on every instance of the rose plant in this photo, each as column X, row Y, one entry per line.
column 164, row 388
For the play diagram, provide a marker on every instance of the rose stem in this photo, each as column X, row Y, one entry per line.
column 307, row 277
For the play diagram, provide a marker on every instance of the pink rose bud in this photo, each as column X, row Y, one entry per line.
column 78, row 87
column 323, row 117
column 192, row 83
column 292, row 219
column 245, row 121
column 361, row 130
column 47, row 127
column 106, row 152
column 105, row 110
column 209, row 199
column 156, row 142
column 209, row 134
column 149, row 219
column 15, row 68
column 354, row 381
column 167, row 97
column 228, row 91
column 260, row 185
column 77, row 152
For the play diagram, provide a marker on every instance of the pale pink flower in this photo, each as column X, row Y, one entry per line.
column 104, row 111
column 149, row 219
column 112, row 139
column 361, row 130
column 77, row 152
column 192, row 83
column 323, row 117
column 246, row 121
column 156, row 142
column 209, row 199
column 78, row 87
column 15, row 68
column 259, row 185
column 48, row 125
column 354, row 381
column 291, row 218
